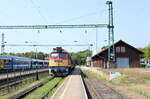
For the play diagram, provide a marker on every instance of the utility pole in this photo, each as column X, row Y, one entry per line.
column 111, row 49
column 96, row 39
column 37, row 75
column 2, row 44
column 36, row 57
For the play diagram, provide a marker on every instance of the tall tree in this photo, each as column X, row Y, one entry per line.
column 79, row 58
column 147, row 52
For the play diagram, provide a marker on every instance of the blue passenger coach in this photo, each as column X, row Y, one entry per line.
column 16, row 63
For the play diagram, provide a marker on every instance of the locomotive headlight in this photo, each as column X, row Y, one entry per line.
column 66, row 70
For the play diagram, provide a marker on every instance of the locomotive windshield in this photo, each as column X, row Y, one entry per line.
column 63, row 55
column 58, row 55
column 54, row 55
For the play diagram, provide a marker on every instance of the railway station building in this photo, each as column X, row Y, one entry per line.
column 126, row 56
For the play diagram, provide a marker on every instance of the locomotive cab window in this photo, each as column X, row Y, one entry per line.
column 54, row 55
column 63, row 55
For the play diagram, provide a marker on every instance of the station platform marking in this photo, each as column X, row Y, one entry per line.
column 72, row 88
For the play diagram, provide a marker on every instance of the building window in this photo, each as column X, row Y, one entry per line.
column 123, row 49
column 118, row 49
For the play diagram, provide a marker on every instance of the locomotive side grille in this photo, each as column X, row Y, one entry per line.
column 58, row 61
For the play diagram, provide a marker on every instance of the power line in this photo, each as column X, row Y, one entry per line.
column 38, row 10
column 82, row 16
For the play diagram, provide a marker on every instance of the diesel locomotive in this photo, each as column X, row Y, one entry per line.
column 60, row 62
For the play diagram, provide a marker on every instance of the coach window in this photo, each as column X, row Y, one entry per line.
column 7, row 62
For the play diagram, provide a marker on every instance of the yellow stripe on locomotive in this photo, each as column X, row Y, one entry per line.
column 59, row 59
column 59, row 62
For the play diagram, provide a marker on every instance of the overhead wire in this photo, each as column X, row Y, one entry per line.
column 72, row 19
column 38, row 10
column 82, row 16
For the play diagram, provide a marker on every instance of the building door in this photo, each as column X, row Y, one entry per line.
column 122, row 62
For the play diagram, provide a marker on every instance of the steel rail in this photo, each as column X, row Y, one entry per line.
column 101, row 95
column 29, row 90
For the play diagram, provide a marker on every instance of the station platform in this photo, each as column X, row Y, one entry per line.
column 72, row 88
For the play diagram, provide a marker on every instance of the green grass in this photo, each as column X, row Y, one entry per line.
column 141, row 92
column 114, row 83
column 37, row 94
column 13, row 90
column 24, row 86
column 133, row 76
column 54, row 90
column 132, row 79
column 120, row 81
column 102, row 77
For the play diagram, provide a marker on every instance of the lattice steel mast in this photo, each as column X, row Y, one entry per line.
column 2, row 44
column 111, row 47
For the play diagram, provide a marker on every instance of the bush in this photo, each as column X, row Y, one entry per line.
column 142, row 65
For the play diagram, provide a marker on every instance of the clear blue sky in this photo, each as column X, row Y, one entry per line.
column 131, row 20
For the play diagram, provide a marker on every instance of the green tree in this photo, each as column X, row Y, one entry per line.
column 79, row 58
column 40, row 55
column 147, row 52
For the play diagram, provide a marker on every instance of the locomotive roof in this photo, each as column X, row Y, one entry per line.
column 59, row 50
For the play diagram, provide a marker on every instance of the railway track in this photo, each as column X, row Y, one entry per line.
column 98, row 89
column 13, row 84
column 28, row 92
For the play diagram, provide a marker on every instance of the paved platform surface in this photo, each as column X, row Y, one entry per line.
column 72, row 88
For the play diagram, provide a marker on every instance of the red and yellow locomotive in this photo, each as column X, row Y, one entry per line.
column 59, row 62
